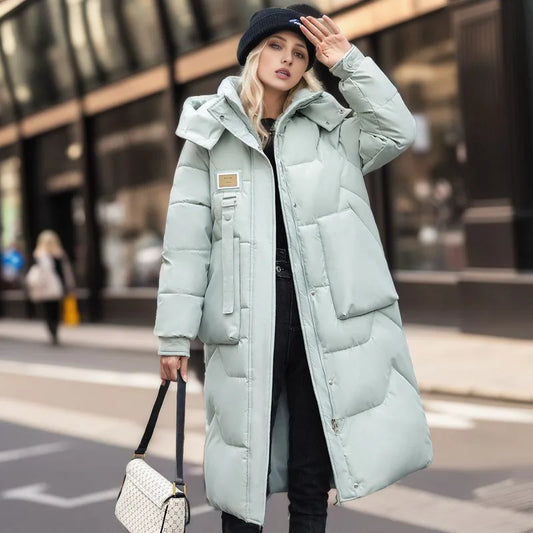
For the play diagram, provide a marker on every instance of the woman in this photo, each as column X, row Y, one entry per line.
column 52, row 280
column 272, row 257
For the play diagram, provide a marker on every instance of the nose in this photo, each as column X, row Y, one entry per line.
column 287, row 59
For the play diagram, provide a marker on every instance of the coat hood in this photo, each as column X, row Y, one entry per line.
column 204, row 118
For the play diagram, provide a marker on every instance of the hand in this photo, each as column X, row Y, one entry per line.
column 169, row 366
column 330, row 43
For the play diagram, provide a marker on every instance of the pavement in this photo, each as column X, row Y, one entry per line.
column 445, row 359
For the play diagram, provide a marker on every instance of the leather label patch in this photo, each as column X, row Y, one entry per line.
column 228, row 180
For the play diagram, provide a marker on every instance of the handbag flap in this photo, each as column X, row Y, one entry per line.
column 149, row 481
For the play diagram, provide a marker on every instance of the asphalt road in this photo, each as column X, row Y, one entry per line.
column 70, row 418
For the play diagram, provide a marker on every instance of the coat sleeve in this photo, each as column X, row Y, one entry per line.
column 387, row 126
column 186, row 253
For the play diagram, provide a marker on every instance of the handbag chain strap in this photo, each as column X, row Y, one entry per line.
column 180, row 426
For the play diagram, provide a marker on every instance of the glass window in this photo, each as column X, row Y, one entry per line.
column 183, row 25
column 114, row 39
column 427, row 182
column 207, row 84
column 7, row 112
column 83, row 47
column 13, row 246
column 55, row 191
column 144, row 32
column 227, row 17
column 35, row 47
column 134, row 158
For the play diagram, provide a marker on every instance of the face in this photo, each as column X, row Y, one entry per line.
column 283, row 61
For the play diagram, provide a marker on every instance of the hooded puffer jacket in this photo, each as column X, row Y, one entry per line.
column 218, row 282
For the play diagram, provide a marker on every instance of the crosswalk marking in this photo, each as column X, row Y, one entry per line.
column 440, row 513
column 36, row 493
column 509, row 493
column 32, row 451
column 142, row 380
column 474, row 411
column 104, row 429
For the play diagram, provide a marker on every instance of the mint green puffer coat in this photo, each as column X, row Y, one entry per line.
column 218, row 282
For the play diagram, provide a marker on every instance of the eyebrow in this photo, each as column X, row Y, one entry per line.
column 283, row 39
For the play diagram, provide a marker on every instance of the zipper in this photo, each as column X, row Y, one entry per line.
column 280, row 166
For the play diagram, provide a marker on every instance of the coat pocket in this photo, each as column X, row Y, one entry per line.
column 358, row 274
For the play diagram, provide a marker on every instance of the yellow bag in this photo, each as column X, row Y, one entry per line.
column 71, row 313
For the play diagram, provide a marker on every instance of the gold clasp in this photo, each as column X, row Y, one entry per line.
column 174, row 489
column 138, row 456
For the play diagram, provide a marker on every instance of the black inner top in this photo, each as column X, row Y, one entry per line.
column 281, row 237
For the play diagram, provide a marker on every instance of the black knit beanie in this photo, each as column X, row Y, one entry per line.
column 268, row 21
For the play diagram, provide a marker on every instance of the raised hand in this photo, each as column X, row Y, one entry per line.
column 330, row 43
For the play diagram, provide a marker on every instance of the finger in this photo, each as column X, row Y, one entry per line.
column 333, row 27
column 163, row 369
column 183, row 368
column 312, row 29
column 320, row 27
column 310, row 36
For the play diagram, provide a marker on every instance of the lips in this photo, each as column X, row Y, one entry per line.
column 283, row 73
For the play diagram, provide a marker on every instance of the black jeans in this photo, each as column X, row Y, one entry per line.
column 52, row 314
column 309, row 467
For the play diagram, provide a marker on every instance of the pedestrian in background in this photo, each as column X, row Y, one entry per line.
column 50, row 279
column 272, row 257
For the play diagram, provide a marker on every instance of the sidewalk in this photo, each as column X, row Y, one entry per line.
column 445, row 360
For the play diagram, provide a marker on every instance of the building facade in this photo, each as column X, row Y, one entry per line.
column 90, row 93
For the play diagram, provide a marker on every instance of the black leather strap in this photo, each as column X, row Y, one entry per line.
column 180, row 430
column 180, row 425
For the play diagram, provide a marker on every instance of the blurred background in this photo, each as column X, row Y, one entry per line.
column 90, row 93
column 90, row 96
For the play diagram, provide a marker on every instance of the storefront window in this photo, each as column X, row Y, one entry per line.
column 114, row 39
column 427, row 182
column 134, row 160
column 7, row 114
column 35, row 47
column 83, row 47
column 183, row 25
column 55, row 191
column 227, row 17
column 13, row 247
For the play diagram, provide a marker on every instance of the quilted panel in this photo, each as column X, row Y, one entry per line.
column 399, row 435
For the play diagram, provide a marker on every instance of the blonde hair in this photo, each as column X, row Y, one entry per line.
column 251, row 90
column 48, row 243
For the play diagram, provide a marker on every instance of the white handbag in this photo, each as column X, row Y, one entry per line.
column 147, row 501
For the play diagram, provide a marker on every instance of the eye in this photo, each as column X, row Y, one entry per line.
column 299, row 55
column 275, row 46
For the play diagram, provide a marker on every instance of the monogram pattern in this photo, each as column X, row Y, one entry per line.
column 145, row 503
